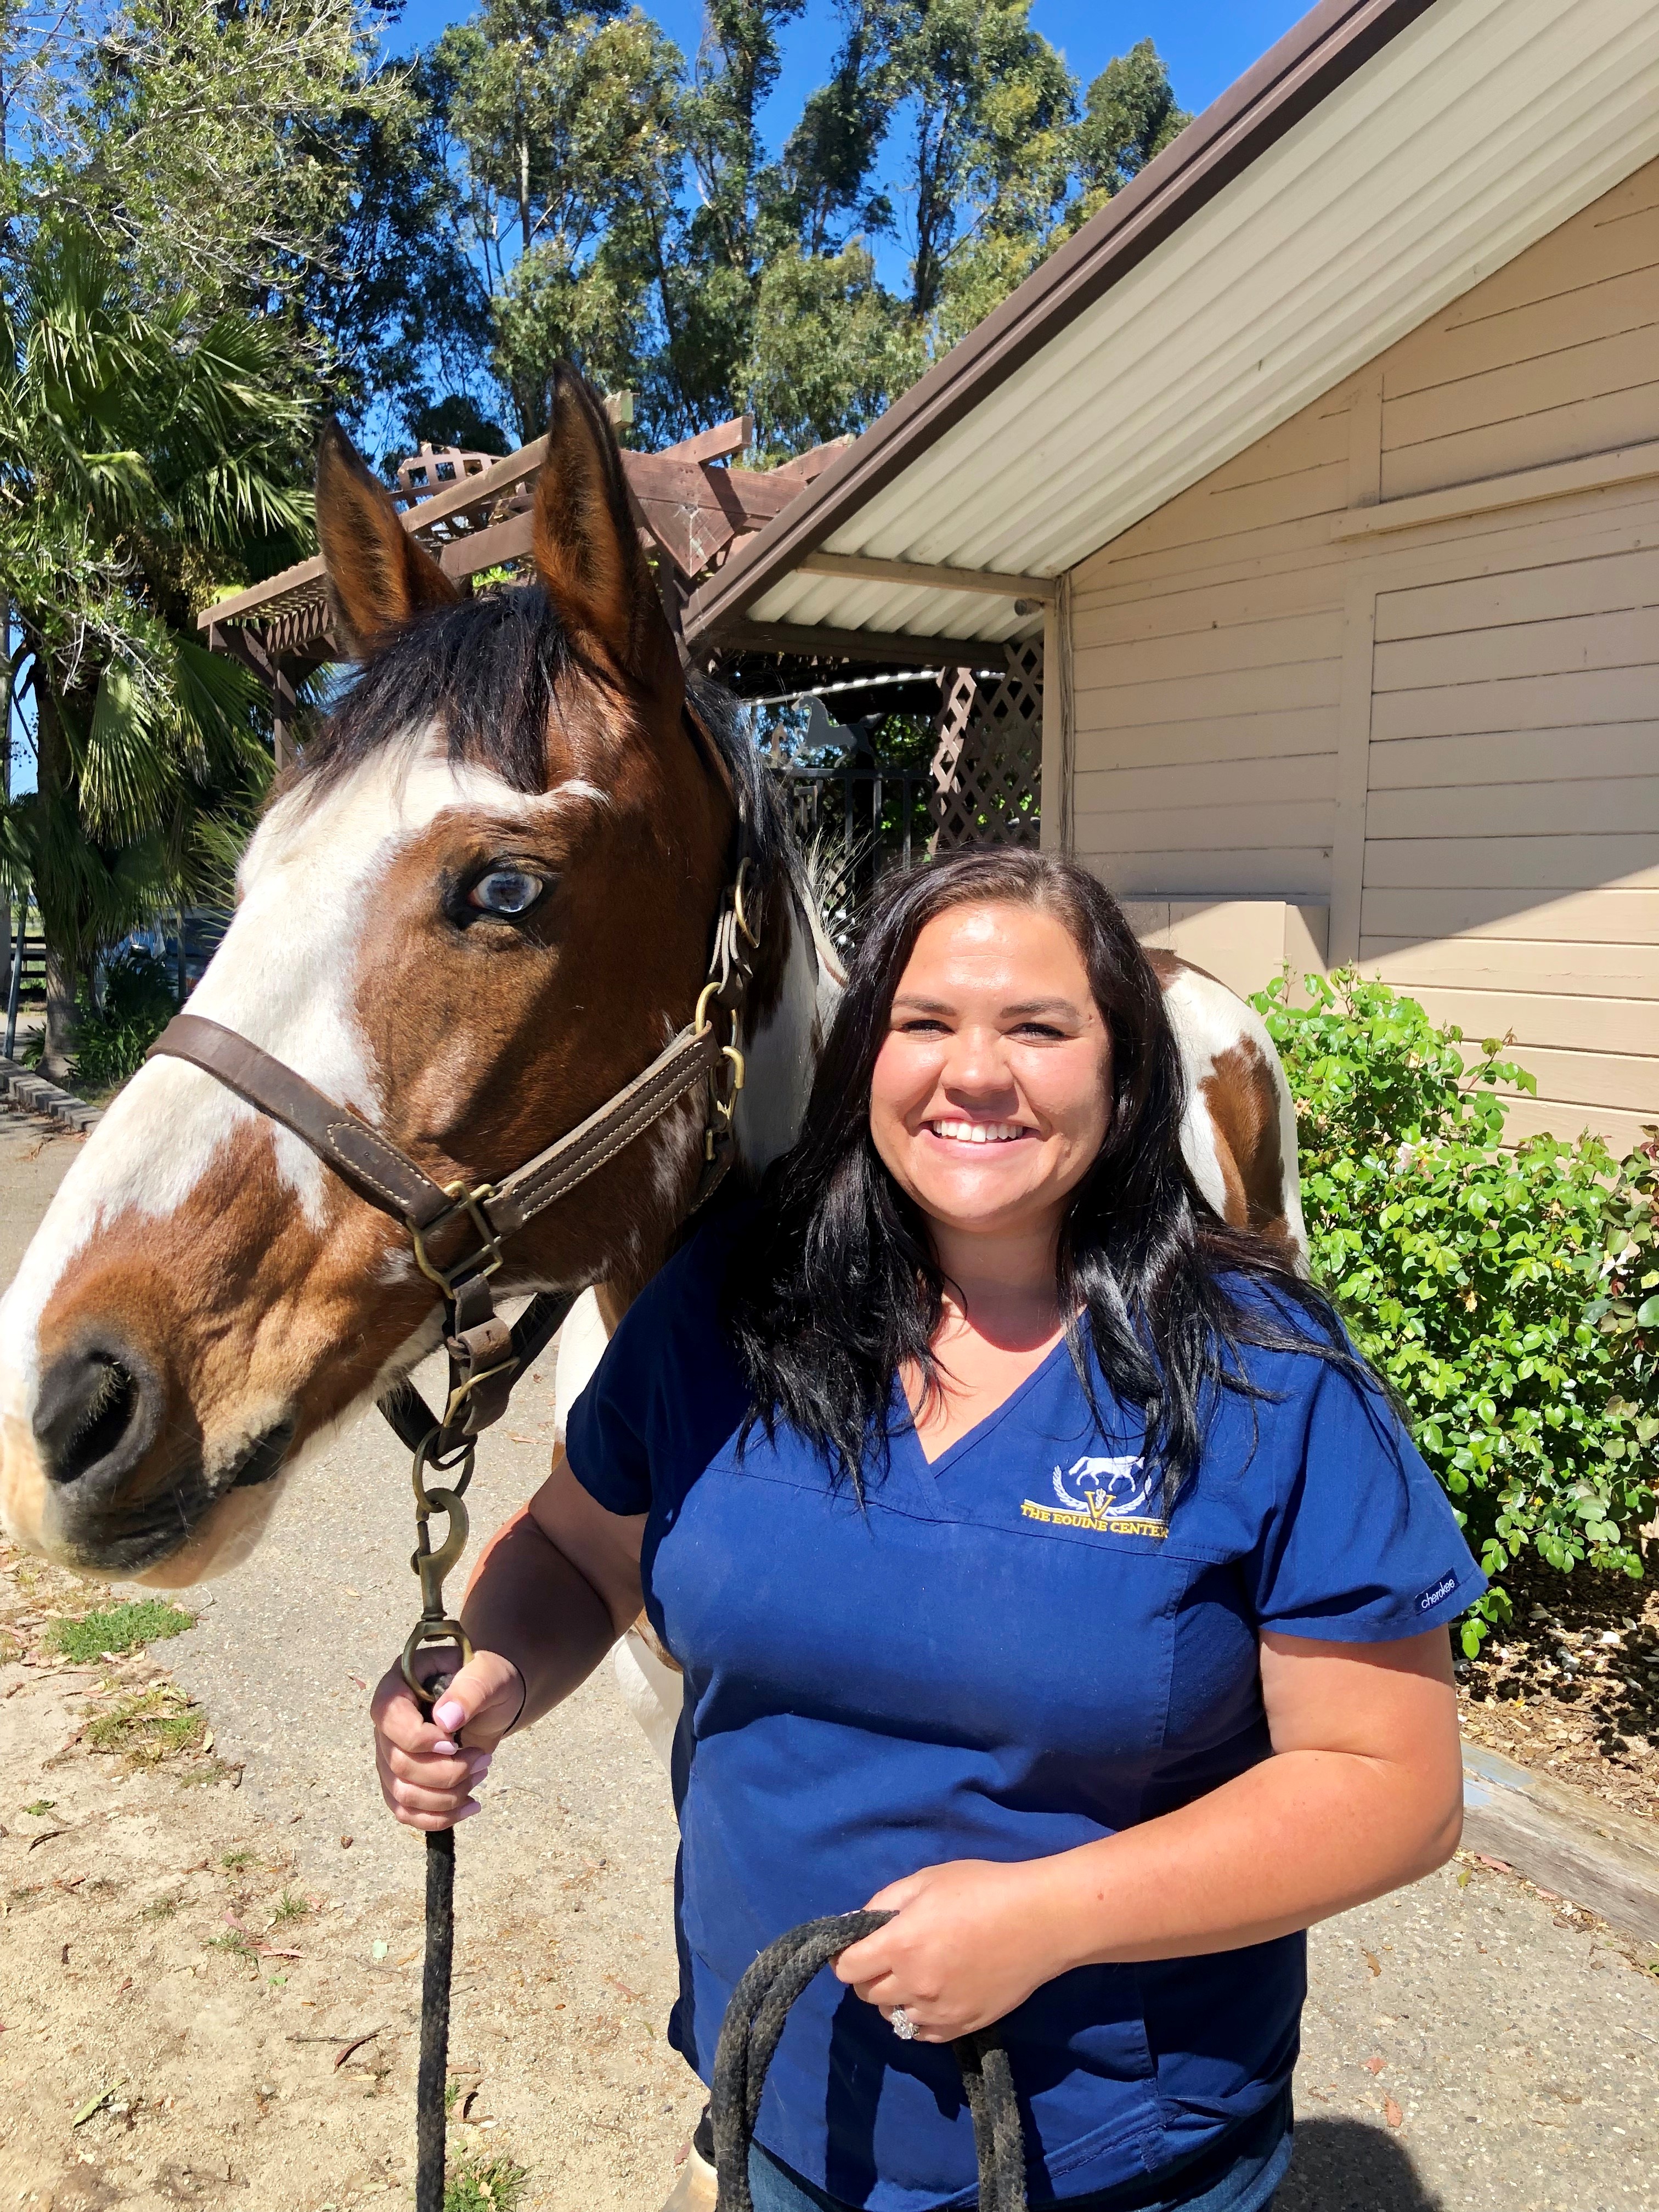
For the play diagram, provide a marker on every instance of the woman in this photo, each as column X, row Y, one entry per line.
column 1043, row 1565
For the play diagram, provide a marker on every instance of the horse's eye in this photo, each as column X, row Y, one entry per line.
column 508, row 891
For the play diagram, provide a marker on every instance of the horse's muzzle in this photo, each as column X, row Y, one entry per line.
column 124, row 1489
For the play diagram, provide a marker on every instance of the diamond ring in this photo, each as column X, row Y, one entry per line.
column 902, row 2026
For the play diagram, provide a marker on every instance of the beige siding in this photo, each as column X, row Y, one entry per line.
column 1207, row 654
column 1449, row 731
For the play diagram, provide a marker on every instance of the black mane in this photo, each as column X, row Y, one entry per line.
column 486, row 671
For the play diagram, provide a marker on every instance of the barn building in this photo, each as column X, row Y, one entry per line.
column 1317, row 481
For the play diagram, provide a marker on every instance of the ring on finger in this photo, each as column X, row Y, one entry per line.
column 902, row 2026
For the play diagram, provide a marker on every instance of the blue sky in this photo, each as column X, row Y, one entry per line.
column 1207, row 43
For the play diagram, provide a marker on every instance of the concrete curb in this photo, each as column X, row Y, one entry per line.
column 32, row 1093
column 1564, row 1838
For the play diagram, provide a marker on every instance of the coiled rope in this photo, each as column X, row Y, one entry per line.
column 749, row 2038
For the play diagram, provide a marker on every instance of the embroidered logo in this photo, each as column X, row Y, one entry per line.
column 1430, row 1597
column 1114, row 1496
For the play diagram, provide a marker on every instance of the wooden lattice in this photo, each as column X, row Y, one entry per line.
column 987, row 757
column 434, row 468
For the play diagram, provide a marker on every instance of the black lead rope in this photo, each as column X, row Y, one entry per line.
column 430, row 2118
column 749, row 2038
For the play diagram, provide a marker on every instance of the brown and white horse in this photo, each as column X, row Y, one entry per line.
column 482, row 904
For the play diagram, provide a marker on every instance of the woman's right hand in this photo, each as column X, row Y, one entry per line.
column 429, row 1768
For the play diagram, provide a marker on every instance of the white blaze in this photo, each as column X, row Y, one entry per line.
column 285, row 978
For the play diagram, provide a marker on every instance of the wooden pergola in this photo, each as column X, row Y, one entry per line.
column 695, row 506
column 475, row 514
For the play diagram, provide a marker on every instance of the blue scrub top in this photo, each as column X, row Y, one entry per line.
column 1001, row 1656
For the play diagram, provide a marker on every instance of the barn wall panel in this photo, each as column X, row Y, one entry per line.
column 1451, row 729
column 1558, row 1117
column 1590, row 919
column 1540, row 1021
column 1511, row 967
column 1489, row 759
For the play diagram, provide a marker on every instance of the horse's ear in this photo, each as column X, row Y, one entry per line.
column 587, row 545
column 378, row 574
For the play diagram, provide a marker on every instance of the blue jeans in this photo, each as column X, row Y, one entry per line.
column 1239, row 2174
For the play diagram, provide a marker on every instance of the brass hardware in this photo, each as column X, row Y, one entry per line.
column 485, row 1262
column 463, row 1391
column 434, row 1625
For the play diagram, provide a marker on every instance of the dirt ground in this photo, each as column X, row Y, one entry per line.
column 1572, row 1685
column 208, row 1995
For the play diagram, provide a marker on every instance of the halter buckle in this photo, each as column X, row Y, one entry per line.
column 485, row 1262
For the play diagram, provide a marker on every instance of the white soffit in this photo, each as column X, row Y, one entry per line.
column 1477, row 130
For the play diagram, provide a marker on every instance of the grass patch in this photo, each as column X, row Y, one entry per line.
column 162, row 1909
column 40, row 1807
column 233, row 1861
column 291, row 1906
column 240, row 1944
column 476, row 2184
column 148, row 1727
column 118, row 1629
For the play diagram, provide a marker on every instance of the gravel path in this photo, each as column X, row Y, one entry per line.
column 1468, row 2043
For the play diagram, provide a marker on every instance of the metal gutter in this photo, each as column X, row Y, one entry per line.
column 1330, row 44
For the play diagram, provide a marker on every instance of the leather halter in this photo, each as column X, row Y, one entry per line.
column 485, row 1356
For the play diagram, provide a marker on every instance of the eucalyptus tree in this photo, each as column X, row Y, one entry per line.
column 566, row 123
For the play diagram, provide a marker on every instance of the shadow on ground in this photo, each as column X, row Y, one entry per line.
column 1348, row 2165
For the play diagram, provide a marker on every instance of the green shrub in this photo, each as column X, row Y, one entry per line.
column 475, row 2183
column 1508, row 1297
column 113, row 1038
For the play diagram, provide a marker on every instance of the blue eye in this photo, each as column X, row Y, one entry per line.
column 507, row 892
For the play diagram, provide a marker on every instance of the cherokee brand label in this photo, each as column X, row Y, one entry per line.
column 1432, row 1597
column 1116, row 1496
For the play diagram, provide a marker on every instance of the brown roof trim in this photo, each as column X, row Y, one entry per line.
column 1330, row 44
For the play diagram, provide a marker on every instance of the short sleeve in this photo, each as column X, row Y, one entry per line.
column 1363, row 1547
column 668, row 1392
column 606, row 1435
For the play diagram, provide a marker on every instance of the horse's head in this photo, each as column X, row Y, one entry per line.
column 479, row 906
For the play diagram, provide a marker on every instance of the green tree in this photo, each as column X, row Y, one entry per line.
column 401, row 306
column 195, row 137
column 567, row 121
column 986, row 109
column 145, row 447
column 830, row 155
column 829, row 348
column 1130, row 115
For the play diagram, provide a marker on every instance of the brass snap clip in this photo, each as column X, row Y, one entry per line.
column 432, row 1565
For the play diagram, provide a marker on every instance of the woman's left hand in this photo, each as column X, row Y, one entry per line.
column 968, row 1945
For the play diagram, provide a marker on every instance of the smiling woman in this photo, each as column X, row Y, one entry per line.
column 1043, row 1566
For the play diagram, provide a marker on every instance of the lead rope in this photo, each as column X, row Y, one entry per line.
column 749, row 2037
column 434, row 1625
column 485, row 1359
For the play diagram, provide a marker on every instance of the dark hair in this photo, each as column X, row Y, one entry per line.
column 846, row 1287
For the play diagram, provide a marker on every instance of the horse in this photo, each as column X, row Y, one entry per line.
column 479, row 904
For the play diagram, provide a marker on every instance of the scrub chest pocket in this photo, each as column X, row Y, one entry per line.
column 1003, row 1654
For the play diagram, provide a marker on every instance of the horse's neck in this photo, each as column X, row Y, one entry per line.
column 783, row 1049
column 780, row 1057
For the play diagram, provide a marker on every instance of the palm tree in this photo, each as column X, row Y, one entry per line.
column 148, row 446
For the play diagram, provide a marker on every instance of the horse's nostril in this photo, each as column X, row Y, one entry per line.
column 94, row 1416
